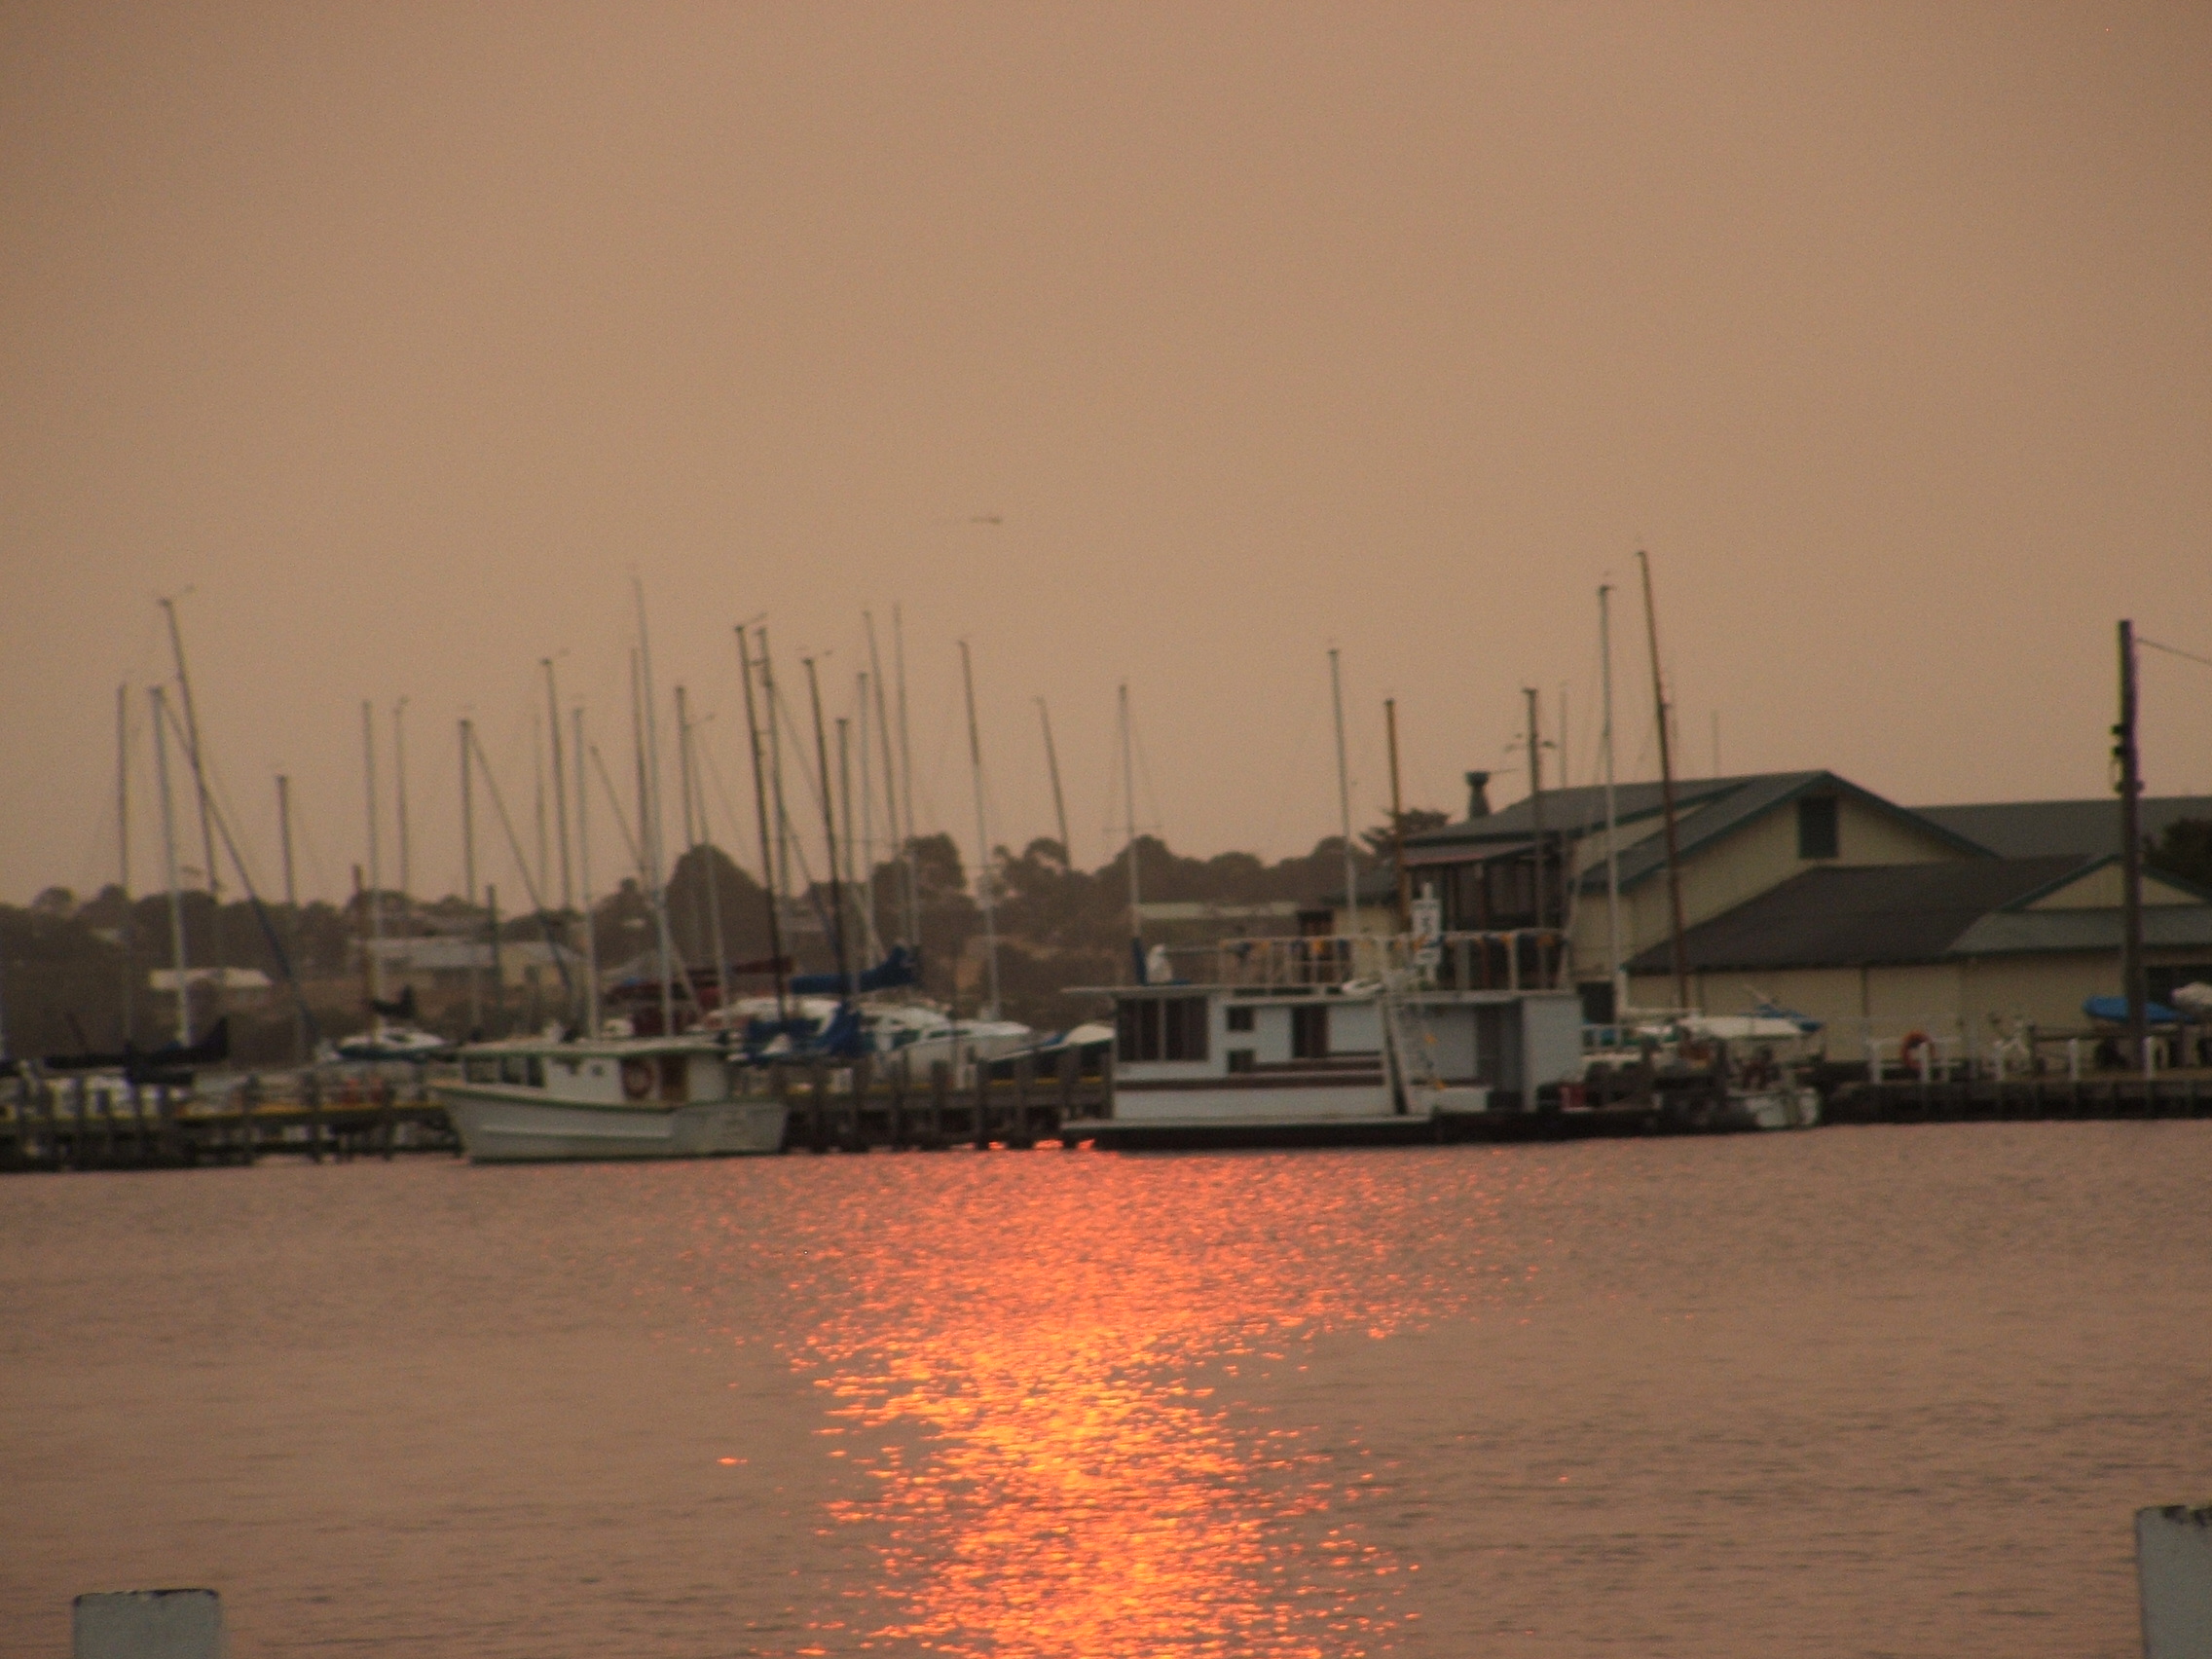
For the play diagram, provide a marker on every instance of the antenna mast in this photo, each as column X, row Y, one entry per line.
column 1666, row 797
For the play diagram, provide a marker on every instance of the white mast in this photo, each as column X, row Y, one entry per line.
column 891, row 791
column 1059, row 801
column 984, row 882
column 169, row 855
column 1130, row 844
column 376, row 868
column 1344, row 793
column 468, row 877
column 583, row 883
column 1612, row 814
column 559, row 786
column 653, row 840
column 400, row 792
column 906, row 780
column 121, row 846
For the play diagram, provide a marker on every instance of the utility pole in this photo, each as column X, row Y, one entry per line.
column 2131, row 974
column 376, row 868
column 122, row 848
column 399, row 799
column 1618, row 979
column 1666, row 797
column 584, row 882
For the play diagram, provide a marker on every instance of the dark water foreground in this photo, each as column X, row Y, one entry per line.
column 1870, row 1390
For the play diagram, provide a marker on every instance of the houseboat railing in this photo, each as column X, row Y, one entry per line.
column 1516, row 959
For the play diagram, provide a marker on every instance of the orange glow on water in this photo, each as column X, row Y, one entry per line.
column 1020, row 1354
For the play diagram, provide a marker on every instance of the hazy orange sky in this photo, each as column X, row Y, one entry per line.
column 404, row 335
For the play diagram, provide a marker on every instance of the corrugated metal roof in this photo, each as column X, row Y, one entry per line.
column 1860, row 915
column 2040, row 829
column 2008, row 933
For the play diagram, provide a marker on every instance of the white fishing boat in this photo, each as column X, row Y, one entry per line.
column 1751, row 1067
column 540, row 1099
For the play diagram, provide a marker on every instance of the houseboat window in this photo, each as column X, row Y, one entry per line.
column 1240, row 1019
column 484, row 1070
column 1239, row 1059
column 514, row 1069
column 1816, row 828
column 1160, row 1028
column 536, row 1076
column 1309, row 1033
column 1183, row 1028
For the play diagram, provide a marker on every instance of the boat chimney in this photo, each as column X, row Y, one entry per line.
column 1478, row 795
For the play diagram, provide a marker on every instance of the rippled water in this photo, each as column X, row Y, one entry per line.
column 1852, row 1392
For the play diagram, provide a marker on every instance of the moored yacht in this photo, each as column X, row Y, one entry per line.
column 538, row 1099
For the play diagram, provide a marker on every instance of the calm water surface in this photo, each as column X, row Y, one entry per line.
column 1861, row 1392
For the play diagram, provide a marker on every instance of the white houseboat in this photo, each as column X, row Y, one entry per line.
column 538, row 1099
column 1326, row 1039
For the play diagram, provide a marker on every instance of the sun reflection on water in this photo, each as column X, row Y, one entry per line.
column 1026, row 1355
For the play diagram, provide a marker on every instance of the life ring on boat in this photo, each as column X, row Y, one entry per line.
column 1909, row 1051
column 637, row 1079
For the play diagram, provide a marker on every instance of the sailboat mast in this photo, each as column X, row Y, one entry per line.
column 652, row 839
column 583, row 881
column 845, row 798
column 292, row 908
column 399, row 797
column 1059, row 801
column 760, row 806
column 468, row 874
column 1681, row 952
column 559, row 783
column 906, row 782
column 376, row 867
column 1537, row 800
column 1614, row 974
column 829, row 834
column 782, row 884
column 1343, row 793
column 1130, row 842
column 192, row 747
column 984, row 874
column 1398, row 818
column 891, row 792
column 169, row 856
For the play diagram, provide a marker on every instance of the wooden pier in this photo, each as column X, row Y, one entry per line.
column 76, row 1122
column 2021, row 1099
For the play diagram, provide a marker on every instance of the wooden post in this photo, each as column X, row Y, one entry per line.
column 313, row 1090
column 818, row 1081
column 382, row 1092
column 1024, row 1071
column 249, row 1096
column 81, row 1109
column 896, row 1112
column 862, row 1074
column 140, row 1138
column 52, row 1123
column 941, row 1097
column 983, row 1103
column 1071, row 1065
column 165, row 1114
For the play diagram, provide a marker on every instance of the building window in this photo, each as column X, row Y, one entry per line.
column 1816, row 828
column 1160, row 1028
column 1240, row 1019
column 1309, row 1033
column 1239, row 1059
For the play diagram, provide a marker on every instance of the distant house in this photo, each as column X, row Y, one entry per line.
column 1738, row 838
column 1952, row 949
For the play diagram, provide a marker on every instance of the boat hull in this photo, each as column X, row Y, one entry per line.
column 499, row 1129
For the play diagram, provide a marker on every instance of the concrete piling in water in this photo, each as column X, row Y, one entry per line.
column 2173, row 1563
column 147, row 1624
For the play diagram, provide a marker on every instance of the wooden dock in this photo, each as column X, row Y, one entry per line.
column 76, row 1122
column 2021, row 1099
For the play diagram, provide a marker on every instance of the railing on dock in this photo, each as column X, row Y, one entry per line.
column 1516, row 959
